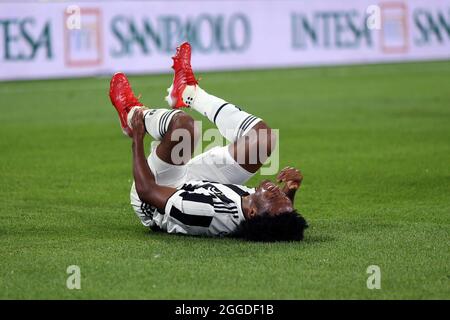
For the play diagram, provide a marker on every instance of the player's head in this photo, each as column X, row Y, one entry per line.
column 286, row 226
column 271, row 216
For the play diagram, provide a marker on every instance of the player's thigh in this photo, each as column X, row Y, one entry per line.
column 217, row 165
column 166, row 174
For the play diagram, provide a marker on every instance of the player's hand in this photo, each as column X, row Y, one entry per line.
column 137, row 124
column 291, row 177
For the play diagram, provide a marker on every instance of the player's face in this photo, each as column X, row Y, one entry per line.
column 271, row 199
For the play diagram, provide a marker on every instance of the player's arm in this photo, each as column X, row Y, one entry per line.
column 146, row 187
column 292, row 179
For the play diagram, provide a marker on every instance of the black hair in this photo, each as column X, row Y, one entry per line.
column 287, row 226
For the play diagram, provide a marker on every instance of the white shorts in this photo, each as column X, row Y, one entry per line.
column 215, row 165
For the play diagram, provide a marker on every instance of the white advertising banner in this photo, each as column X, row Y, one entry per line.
column 63, row 39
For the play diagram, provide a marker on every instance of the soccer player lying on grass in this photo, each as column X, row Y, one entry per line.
column 204, row 195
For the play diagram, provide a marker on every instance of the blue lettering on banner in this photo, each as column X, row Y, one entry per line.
column 433, row 27
column 20, row 41
column 330, row 29
column 206, row 33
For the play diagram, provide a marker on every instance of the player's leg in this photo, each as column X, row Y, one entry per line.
column 231, row 121
column 175, row 132
column 252, row 140
column 170, row 128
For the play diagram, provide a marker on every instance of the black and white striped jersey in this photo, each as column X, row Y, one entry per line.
column 198, row 208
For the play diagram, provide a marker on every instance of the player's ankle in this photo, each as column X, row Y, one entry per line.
column 131, row 113
column 189, row 95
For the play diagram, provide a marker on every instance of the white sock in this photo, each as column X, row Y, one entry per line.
column 156, row 121
column 231, row 121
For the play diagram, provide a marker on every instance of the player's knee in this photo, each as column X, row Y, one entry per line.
column 272, row 141
column 266, row 137
column 183, row 122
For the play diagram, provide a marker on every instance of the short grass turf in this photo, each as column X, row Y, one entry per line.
column 373, row 143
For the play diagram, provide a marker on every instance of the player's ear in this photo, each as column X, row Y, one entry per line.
column 252, row 212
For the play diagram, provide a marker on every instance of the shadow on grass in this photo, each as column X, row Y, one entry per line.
column 177, row 238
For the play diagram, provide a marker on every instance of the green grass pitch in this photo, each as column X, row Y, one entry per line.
column 372, row 141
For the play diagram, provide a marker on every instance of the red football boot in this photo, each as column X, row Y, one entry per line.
column 183, row 77
column 123, row 99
